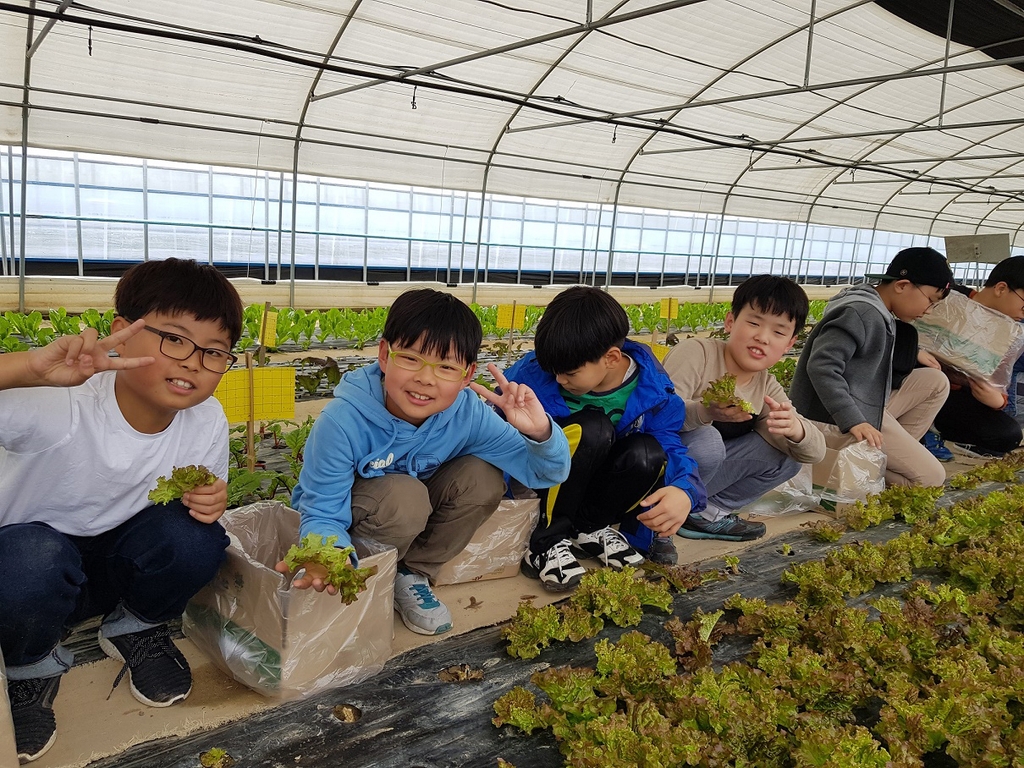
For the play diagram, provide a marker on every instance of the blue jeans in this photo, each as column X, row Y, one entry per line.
column 737, row 471
column 139, row 574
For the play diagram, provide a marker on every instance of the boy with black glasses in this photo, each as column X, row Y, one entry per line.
column 83, row 439
column 844, row 380
column 406, row 455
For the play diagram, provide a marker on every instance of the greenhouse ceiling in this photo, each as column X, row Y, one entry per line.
column 900, row 115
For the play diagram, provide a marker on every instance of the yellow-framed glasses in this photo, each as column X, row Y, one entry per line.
column 410, row 361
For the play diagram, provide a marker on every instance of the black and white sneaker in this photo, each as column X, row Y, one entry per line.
column 609, row 546
column 557, row 569
column 35, row 728
column 157, row 671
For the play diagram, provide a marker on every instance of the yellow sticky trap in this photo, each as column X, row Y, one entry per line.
column 669, row 308
column 660, row 350
column 270, row 333
column 509, row 319
column 274, row 390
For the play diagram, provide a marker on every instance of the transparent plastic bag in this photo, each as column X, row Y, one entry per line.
column 795, row 495
column 8, row 748
column 849, row 475
column 972, row 339
column 285, row 642
column 498, row 546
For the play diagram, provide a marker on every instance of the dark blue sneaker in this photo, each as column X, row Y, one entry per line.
column 936, row 447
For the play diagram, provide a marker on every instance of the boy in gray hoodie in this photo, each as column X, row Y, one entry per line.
column 843, row 380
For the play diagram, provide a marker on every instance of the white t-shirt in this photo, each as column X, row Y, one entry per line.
column 70, row 459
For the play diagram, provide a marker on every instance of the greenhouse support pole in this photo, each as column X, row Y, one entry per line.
column 479, row 229
column 810, row 44
column 10, row 198
column 295, row 201
column 945, row 63
column 718, row 247
column 24, row 154
column 611, row 239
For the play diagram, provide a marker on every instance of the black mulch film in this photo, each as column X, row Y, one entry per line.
column 407, row 717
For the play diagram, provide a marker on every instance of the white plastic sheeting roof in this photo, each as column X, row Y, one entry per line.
column 828, row 111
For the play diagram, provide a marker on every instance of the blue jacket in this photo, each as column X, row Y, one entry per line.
column 356, row 435
column 654, row 408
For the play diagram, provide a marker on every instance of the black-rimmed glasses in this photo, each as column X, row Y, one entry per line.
column 178, row 347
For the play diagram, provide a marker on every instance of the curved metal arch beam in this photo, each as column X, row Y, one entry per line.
column 835, row 176
column 972, row 144
column 1001, row 171
column 508, row 123
column 844, row 101
column 298, row 139
column 817, row 197
column 710, row 84
column 952, row 200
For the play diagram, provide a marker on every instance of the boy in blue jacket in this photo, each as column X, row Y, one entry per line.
column 405, row 454
column 622, row 416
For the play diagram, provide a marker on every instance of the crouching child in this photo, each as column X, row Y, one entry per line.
column 620, row 412
column 407, row 455
column 744, row 452
column 83, row 439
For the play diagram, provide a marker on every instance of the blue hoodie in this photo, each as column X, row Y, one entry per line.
column 654, row 409
column 356, row 435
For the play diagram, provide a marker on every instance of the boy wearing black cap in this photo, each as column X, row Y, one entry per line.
column 845, row 374
column 973, row 416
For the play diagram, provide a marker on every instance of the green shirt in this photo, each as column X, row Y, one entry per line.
column 612, row 402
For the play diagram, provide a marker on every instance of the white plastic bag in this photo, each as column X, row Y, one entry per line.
column 970, row 338
column 849, row 475
column 795, row 495
column 8, row 747
column 498, row 546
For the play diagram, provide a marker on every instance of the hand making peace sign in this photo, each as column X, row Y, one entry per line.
column 520, row 405
column 70, row 360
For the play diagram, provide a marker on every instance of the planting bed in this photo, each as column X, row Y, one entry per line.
column 413, row 714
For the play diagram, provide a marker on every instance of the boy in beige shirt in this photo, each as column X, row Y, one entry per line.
column 740, row 456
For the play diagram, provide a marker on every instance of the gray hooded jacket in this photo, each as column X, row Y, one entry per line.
column 845, row 370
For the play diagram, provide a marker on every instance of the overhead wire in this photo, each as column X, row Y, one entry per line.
column 254, row 45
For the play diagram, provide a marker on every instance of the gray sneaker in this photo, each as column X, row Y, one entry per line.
column 730, row 528
column 662, row 551
column 418, row 606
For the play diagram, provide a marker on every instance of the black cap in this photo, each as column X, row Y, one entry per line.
column 921, row 266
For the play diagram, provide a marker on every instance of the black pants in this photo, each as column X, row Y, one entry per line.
column 607, row 479
column 964, row 420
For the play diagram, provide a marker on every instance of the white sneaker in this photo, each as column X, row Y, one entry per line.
column 609, row 546
column 557, row 569
column 419, row 608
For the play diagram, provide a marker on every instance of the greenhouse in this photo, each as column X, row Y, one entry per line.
column 323, row 160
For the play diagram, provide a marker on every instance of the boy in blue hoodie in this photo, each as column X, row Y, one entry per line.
column 620, row 412
column 406, row 455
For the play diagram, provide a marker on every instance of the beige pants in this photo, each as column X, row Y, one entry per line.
column 907, row 417
column 427, row 521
